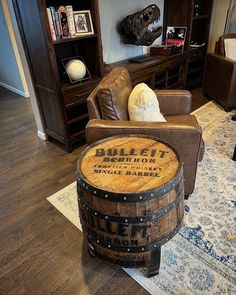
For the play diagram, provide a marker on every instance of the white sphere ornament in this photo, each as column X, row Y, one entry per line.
column 76, row 69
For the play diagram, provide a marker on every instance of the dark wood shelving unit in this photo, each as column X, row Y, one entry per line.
column 188, row 66
column 63, row 104
column 181, row 13
column 158, row 72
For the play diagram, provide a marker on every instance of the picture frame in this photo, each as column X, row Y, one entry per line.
column 83, row 23
column 176, row 36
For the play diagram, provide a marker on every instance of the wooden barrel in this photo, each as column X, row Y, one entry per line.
column 130, row 195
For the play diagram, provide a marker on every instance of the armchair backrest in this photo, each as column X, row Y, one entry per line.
column 220, row 45
column 109, row 100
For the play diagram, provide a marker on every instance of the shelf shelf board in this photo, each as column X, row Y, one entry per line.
column 61, row 41
column 195, row 70
column 203, row 16
column 75, row 103
column 174, row 85
column 167, row 79
column 194, row 82
column 77, row 135
column 67, row 87
column 78, row 119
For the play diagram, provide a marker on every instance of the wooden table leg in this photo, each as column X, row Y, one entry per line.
column 154, row 264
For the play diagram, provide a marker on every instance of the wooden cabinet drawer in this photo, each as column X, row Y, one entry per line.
column 79, row 92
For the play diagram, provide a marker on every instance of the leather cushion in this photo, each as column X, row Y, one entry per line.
column 230, row 48
column 113, row 94
column 143, row 105
column 221, row 43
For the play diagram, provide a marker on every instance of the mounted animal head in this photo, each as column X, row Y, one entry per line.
column 141, row 28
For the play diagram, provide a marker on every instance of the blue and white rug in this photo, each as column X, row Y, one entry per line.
column 201, row 259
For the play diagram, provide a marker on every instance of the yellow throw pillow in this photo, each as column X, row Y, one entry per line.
column 230, row 48
column 143, row 105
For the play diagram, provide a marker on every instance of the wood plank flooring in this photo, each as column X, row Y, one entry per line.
column 41, row 252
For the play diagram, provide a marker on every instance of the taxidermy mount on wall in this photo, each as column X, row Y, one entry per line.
column 141, row 28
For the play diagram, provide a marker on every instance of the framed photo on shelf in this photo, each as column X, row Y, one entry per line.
column 83, row 23
column 176, row 36
column 76, row 69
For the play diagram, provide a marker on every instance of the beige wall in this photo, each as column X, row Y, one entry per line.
column 219, row 13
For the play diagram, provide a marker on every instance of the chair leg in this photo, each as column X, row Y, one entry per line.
column 234, row 155
column 186, row 197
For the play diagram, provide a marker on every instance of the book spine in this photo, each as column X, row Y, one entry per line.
column 59, row 31
column 52, row 30
column 70, row 19
column 53, row 14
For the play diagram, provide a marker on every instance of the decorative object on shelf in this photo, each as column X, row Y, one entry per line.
column 141, row 28
column 197, row 7
column 176, row 36
column 63, row 21
column 196, row 45
column 51, row 25
column 70, row 19
column 166, row 50
column 83, row 23
column 76, row 69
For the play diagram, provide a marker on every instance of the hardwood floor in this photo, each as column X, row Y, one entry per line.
column 198, row 99
column 41, row 252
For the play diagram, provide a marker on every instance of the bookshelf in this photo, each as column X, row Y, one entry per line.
column 181, row 13
column 63, row 104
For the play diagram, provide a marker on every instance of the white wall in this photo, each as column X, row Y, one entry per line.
column 10, row 76
column 218, row 19
column 23, row 66
column 232, row 26
column 111, row 13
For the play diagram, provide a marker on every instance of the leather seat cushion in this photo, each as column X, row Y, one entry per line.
column 113, row 95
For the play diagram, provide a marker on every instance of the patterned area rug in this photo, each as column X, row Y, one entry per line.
column 201, row 258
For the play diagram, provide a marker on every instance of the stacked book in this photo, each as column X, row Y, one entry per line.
column 61, row 22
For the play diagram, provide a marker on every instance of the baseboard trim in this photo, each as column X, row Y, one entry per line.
column 42, row 135
column 22, row 93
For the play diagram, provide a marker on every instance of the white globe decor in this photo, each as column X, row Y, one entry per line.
column 76, row 69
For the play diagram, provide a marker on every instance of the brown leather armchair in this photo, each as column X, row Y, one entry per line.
column 220, row 76
column 107, row 106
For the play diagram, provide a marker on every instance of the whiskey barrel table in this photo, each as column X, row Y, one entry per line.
column 130, row 196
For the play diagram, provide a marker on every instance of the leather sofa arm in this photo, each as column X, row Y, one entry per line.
column 174, row 102
column 220, row 79
column 222, row 59
column 182, row 132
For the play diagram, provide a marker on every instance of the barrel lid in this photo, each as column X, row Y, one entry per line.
column 128, row 164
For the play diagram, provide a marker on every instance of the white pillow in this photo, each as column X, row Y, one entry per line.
column 230, row 48
column 143, row 105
